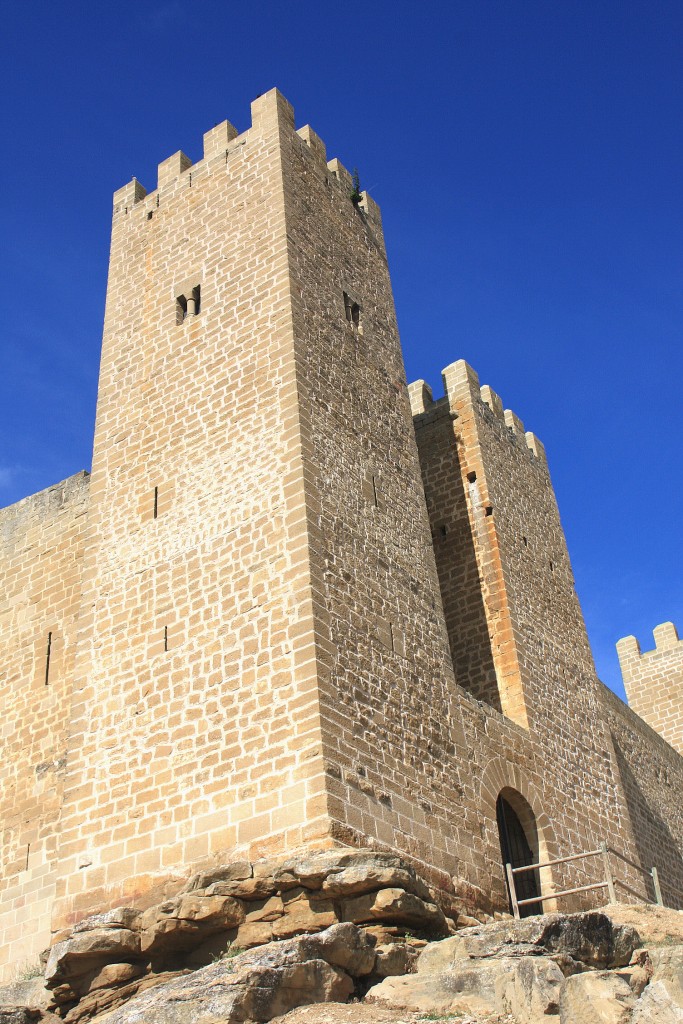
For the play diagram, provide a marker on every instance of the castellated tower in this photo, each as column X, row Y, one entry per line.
column 297, row 603
column 258, row 546
column 654, row 682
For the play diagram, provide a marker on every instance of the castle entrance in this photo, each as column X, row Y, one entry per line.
column 519, row 845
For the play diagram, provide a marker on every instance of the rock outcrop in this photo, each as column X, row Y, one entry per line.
column 253, row 942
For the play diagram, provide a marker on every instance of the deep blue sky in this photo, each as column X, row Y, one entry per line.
column 527, row 157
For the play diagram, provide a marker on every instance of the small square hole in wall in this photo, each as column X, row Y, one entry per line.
column 150, row 215
column 472, row 477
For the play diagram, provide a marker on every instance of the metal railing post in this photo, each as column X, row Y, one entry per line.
column 513, row 891
column 608, row 873
column 658, row 891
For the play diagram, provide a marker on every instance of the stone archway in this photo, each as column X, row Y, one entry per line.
column 526, row 800
column 519, row 846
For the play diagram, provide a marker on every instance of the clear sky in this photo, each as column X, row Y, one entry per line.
column 527, row 157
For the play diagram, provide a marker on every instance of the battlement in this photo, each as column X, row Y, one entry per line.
column 665, row 637
column 654, row 681
column 222, row 144
column 461, row 386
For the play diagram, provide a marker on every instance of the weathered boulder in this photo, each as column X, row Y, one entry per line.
column 530, row 991
column 398, row 906
column 87, row 948
column 662, row 1000
column 343, row 945
column 303, row 913
column 32, row 992
column 395, row 959
column 237, row 871
column 260, row 984
column 96, row 1001
column 26, row 1015
column 316, row 870
column 179, row 925
column 596, row 997
column 469, row 986
column 590, row 938
column 245, row 889
column 359, row 879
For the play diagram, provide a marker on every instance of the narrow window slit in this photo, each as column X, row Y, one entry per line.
column 150, row 214
column 374, row 491
column 352, row 310
column 165, row 638
column 28, row 850
column 156, row 502
column 47, row 658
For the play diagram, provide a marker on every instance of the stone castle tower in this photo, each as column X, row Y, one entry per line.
column 297, row 603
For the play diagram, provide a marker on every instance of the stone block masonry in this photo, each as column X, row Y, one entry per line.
column 42, row 546
column 654, row 682
column 287, row 610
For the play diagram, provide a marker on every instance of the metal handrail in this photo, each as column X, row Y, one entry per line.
column 609, row 883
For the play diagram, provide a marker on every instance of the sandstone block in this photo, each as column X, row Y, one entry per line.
column 395, row 905
column 24, row 1015
column 530, row 991
column 466, row 987
column 312, row 870
column 179, row 925
column 589, row 938
column 236, row 872
column 85, row 949
column 257, row 985
column 596, row 997
column 33, row 993
column 363, row 878
column 304, row 915
column 395, row 959
column 244, row 889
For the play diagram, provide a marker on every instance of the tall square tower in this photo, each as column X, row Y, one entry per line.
column 258, row 548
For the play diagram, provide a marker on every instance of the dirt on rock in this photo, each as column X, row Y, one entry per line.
column 360, row 1013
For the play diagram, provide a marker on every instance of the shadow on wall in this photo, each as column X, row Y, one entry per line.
column 456, row 563
column 654, row 842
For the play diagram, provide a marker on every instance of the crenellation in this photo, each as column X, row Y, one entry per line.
column 494, row 402
column 420, row 396
column 514, row 424
column 128, row 196
column 217, row 141
column 315, row 144
column 283, row 611
column 654, row 681
column 171, row 169
column 666, row 636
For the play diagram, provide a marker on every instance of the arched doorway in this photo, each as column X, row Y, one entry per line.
column 519, row 845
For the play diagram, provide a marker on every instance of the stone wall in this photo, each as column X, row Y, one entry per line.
column 41, row 556
column 654, row 682
column 280, row 643
column 197, row 641
column 516, row 630
column 652, row 778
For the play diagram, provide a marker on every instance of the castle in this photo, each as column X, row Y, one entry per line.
column 298, row 602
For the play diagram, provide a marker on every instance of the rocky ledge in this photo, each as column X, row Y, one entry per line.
column 253, row 942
